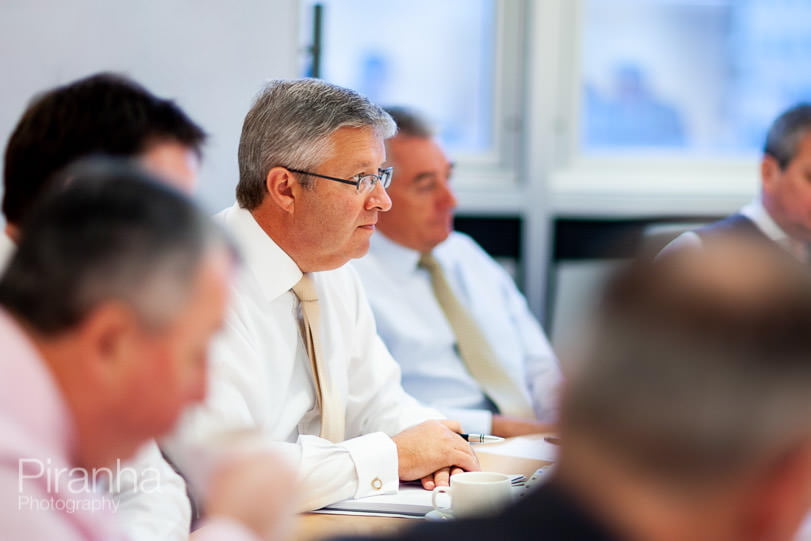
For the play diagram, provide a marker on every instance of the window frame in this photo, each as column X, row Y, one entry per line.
column 492, row 175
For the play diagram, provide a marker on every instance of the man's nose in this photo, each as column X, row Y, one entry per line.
column 378, row 198
column 447, row 196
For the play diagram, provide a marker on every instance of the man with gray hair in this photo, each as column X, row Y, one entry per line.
column 686, row 413
column 106, row 310
column 782, row 213
column 300, row 361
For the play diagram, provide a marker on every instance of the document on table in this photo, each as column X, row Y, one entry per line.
column 411, row 501
column 535, row 447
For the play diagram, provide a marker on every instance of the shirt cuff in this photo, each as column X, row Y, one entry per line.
column 375, row 458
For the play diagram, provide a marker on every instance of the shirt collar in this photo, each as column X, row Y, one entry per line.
column 394, row 255
column 274, row 270
column 7, row 248
column 756, row 212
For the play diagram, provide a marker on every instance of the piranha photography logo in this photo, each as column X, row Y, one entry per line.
column 44, row 486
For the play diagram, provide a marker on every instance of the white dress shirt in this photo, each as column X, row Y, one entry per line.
column 759, row 216
column 163, row 514
column 261, row 376
column 416, row 331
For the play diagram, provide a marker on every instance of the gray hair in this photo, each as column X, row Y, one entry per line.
column 786, row 132
column 290, row 125
column 698, row 366
column 410, row 123
column 112, row 233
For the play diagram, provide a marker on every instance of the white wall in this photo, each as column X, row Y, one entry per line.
column 211, row 56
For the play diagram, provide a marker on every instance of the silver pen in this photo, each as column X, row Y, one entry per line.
column 480, row 438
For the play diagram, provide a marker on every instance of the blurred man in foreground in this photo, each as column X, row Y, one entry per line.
column 106, row 114
column 687, row 414
column 106, row 310
column 450, row 315
column 300, row 360
column 781, row 215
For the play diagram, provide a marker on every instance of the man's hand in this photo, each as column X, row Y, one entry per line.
column 431, row 451
column 507, row 427
column 257, row 490
column 440, row 478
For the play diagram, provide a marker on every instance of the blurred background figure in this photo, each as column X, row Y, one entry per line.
column 781, row 215
column 450, row 315
column 104, row 114
column 104, row 354
column 686, row 413
column 632, row 114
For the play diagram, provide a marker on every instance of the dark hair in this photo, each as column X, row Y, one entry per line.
column 409, row 122
column 698, row 365
column 113, row 232
column 101, row 114
column 786, row 132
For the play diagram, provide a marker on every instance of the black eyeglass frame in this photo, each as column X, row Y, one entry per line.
column 383, row 177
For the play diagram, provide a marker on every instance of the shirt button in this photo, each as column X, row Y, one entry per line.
column 377, row 483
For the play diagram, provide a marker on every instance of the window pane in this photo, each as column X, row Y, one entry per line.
column 701, row 76
column 434, row 55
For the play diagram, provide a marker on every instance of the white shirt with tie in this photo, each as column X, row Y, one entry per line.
column 261, row 376
column 416, row 331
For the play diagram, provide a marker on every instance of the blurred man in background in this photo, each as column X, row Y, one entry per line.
column 450, row 315
column 106, row 114
column 106, row 310
column 782, row 213
column 687, row 412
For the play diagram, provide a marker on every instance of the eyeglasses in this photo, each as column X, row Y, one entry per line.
column 362, row 183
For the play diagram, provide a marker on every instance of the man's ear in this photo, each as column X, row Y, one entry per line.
column 280, row 185
column 13, row 232
column 769, row 173
column 109, row 341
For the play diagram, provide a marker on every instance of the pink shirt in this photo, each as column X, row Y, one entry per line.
column 37, row 498
column 42, row 494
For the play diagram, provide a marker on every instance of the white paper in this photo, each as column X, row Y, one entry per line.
column 532, row 447
column 410, row 500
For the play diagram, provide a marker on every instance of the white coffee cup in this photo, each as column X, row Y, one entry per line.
column 475, row 493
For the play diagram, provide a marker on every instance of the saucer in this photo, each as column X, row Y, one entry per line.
column 436, row 514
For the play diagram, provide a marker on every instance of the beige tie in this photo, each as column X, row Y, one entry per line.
column 477, row 354
column 333, row 418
